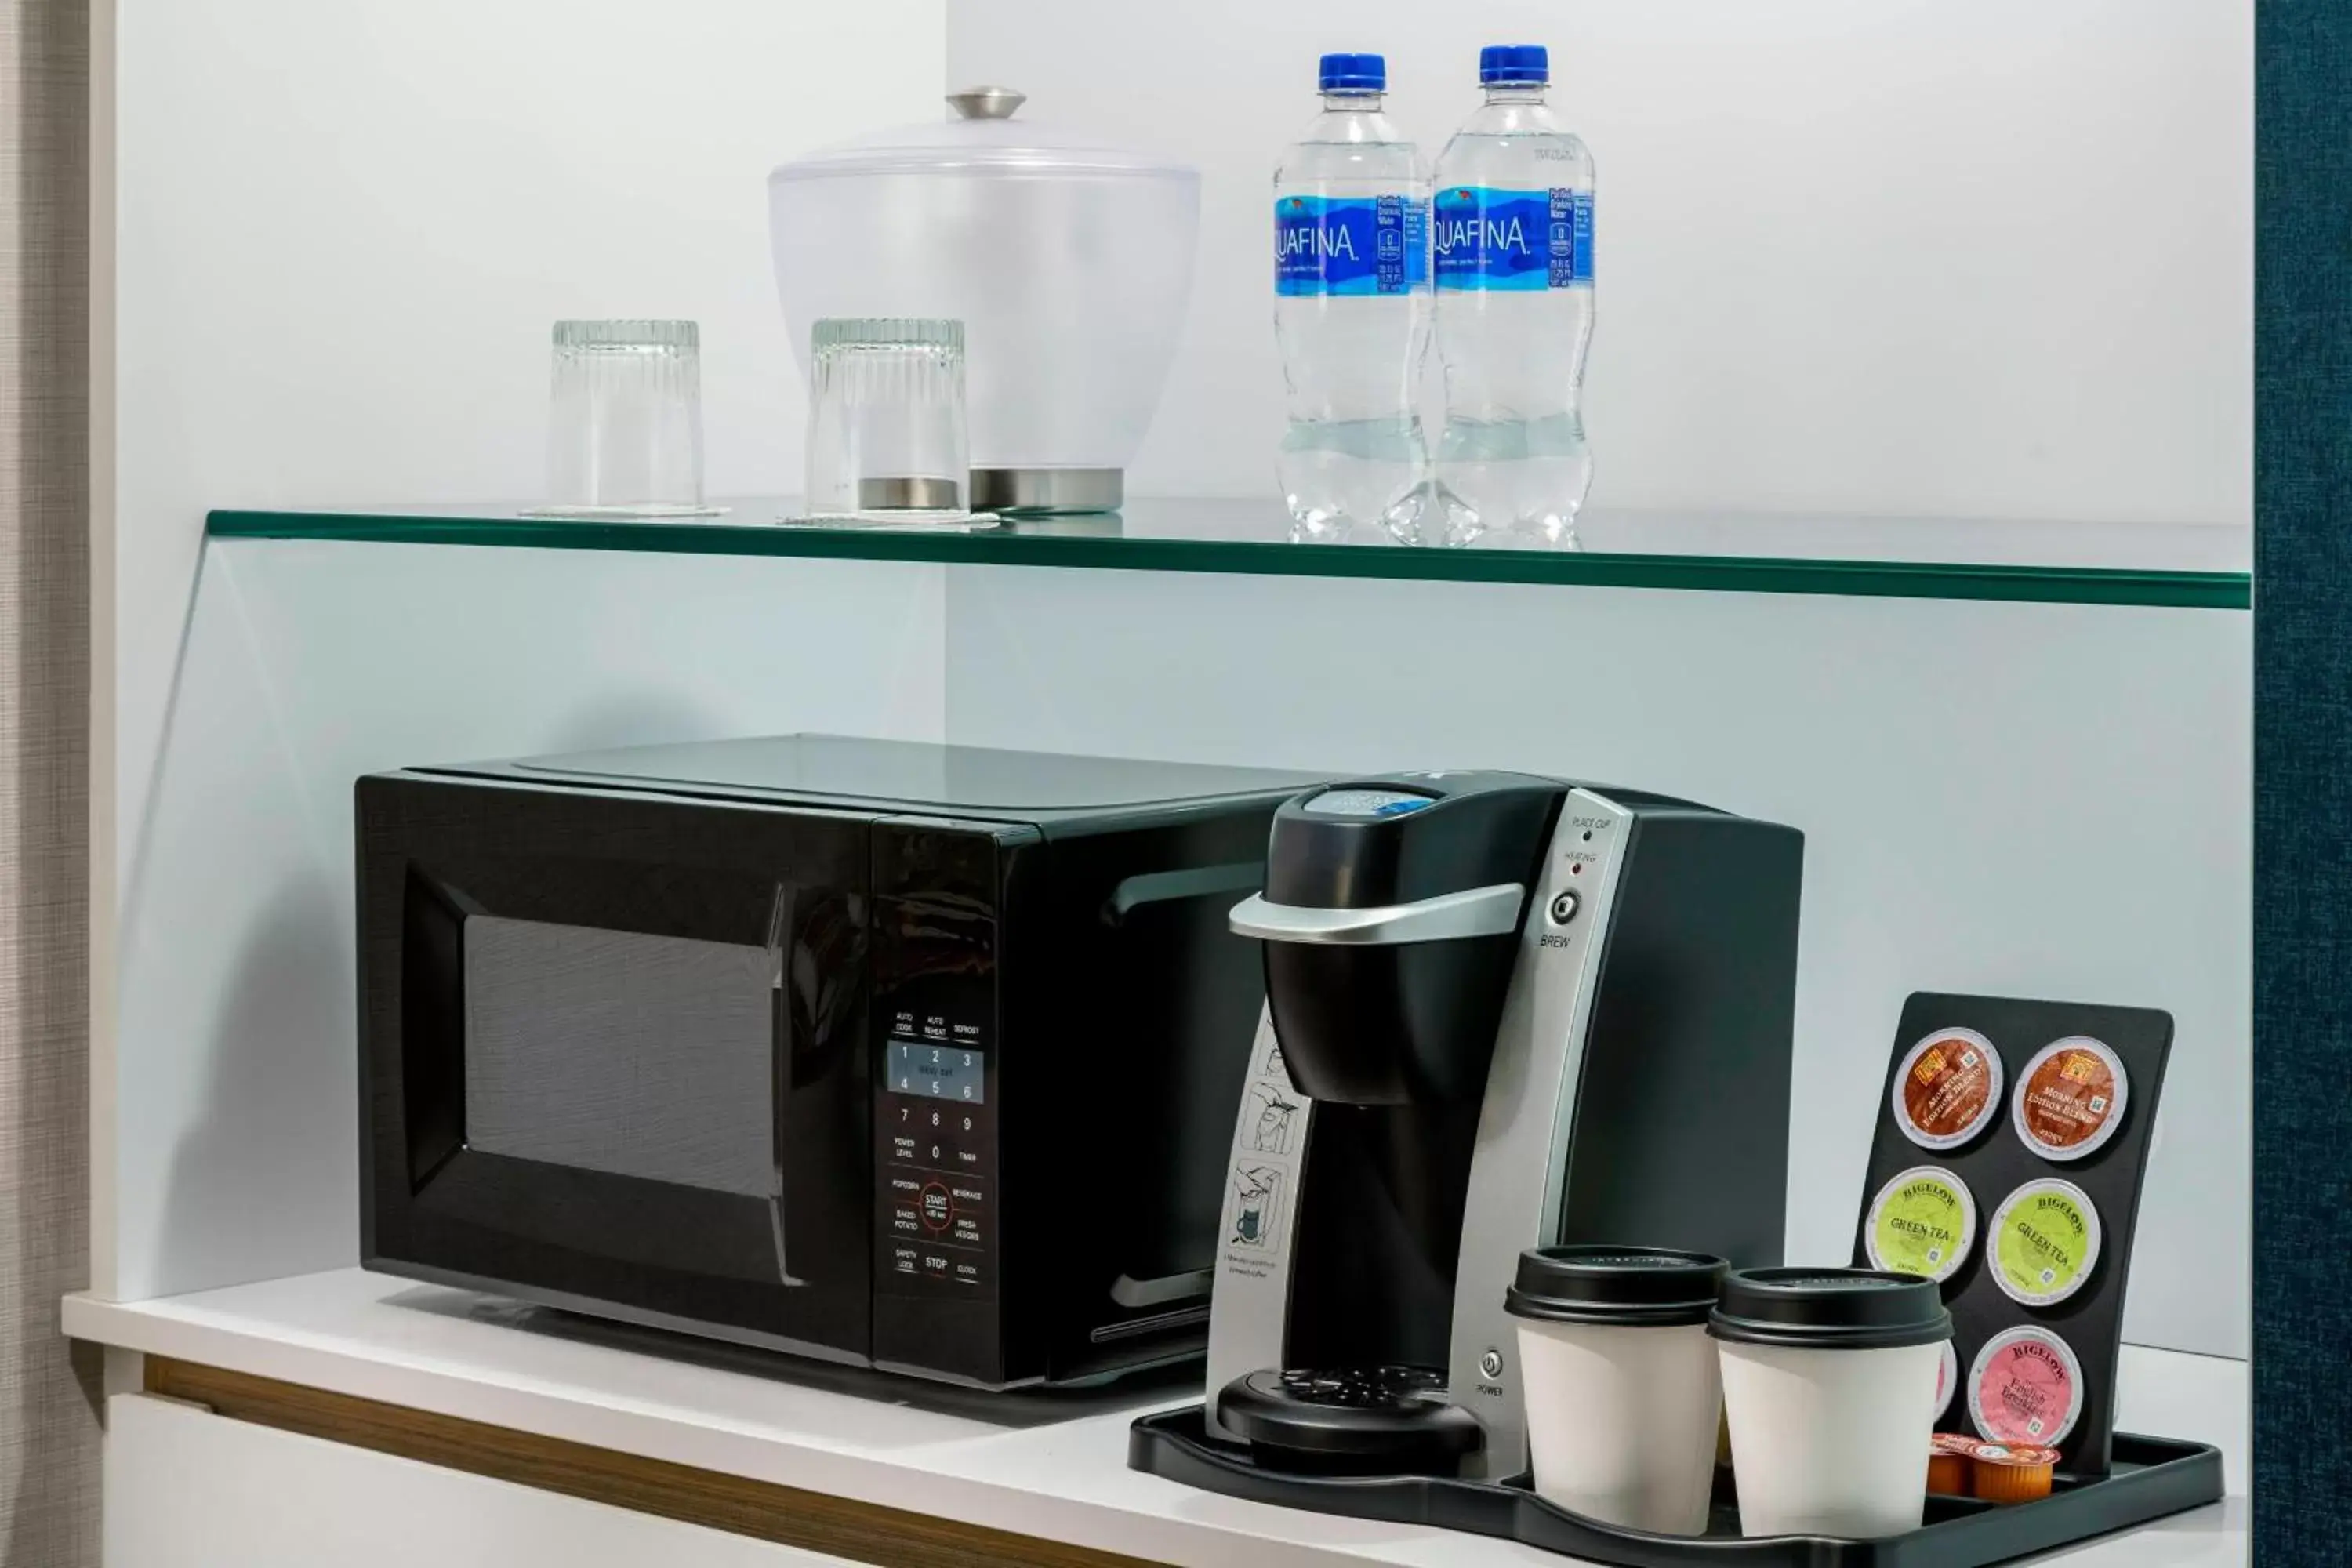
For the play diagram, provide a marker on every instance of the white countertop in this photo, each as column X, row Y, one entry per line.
column 1049, row 1466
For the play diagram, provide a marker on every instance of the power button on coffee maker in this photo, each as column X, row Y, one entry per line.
column 1563, row 909
column 1491, row 1364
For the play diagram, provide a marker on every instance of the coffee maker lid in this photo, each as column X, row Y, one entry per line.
column 1622, row 1287
column 1830, row 1309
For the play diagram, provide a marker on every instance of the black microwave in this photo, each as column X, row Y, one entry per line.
column 911, row 1056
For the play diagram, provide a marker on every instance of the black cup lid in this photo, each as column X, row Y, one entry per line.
column 1626, row 1287
column 1830, row 1309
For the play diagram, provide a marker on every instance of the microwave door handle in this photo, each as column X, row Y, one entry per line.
column 1474, row 911
column 1134, row 1294
column 1133, row 893
column 779, row 1062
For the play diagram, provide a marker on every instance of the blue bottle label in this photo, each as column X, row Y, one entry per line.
column 1351, row 245
column 1481, row 237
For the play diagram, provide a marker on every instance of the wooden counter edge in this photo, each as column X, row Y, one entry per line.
column 788, row 1516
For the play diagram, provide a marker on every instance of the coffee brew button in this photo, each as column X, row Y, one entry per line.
column 1491, row 1364
column 1563, row 909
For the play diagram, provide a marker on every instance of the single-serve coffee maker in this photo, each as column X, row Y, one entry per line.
column 1503, row 1011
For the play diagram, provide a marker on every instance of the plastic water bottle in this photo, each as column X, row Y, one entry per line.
column 1511, row 250
column 1351, row 313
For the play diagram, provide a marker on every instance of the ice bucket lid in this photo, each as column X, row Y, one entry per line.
column 982, row 138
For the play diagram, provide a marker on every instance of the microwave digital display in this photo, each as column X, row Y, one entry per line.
column 938, row 1072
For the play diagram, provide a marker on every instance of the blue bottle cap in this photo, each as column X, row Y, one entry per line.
column 1506, row 63
column 1353, row 73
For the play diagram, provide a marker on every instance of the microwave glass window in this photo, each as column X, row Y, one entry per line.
column 614, row 1051
column 938, row 1072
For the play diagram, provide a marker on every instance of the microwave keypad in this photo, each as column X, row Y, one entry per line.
column 956, row 1072
column 938, row 1137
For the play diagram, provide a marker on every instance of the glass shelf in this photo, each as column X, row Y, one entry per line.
column 2199, row 566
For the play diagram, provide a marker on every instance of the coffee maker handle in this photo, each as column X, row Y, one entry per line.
column 1474, row 911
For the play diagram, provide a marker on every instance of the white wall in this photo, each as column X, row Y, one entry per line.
column 1904, row 257
column 2019, row 800
column 1997, row 797
column 230, row 1154
column 344, row 228
column 326, row 244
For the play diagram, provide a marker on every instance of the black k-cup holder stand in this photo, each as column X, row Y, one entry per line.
column 1995, row 1162
column 2107, row 1481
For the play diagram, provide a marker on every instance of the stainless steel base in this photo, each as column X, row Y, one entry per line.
column 908, row 492
column 1047, row 489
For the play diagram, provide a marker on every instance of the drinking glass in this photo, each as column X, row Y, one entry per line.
column 887, row 416
column 624, row 432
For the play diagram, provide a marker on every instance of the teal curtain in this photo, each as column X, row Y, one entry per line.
column 2302, row 785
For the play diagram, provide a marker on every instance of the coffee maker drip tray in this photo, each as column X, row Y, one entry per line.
column 1375, row 1419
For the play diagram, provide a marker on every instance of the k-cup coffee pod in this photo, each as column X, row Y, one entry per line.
column 2026, row 1387
column 2069, row 1099
column 1923, row 1222
column 1948, row 1090
column 1828, row 1379
column 1948, row 1380
column 1624, row 1389
column 2045, row 1242
column 2008, row 1473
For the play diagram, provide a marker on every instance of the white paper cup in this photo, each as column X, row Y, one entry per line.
column 1829, row 1383
column 1829, row 1442
column 1623, row 1386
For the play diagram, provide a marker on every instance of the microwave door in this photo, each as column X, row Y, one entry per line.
column 820, row 1098
column 613, row 1057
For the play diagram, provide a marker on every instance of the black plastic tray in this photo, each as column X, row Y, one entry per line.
column 2150, row 1477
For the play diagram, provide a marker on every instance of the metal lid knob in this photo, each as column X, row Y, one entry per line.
column 987, row 102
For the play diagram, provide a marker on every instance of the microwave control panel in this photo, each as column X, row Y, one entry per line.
column 936, row 1237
